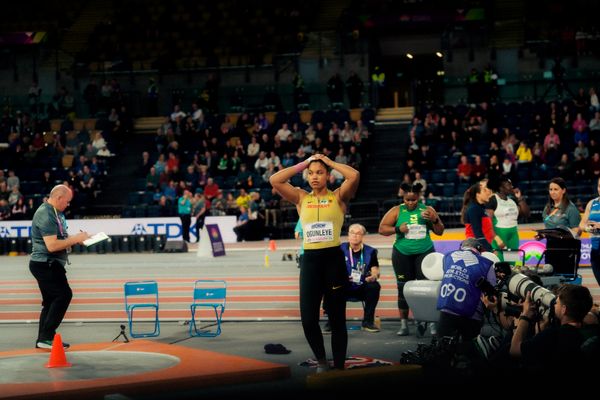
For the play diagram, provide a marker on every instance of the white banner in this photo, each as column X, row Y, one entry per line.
column 170, row 226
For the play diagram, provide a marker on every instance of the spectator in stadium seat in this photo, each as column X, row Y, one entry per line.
column 253, row 150
column 203, row 175
column 190, row 177
column 523, row 154
column 564, row 166
column 19, row 210
column 165, row 209
column 508, row 169
column 478, row 169
column 463, row 170
column 12, row 180
column 341, row 157
column 581, row 135
column 284, row 132
column 14, row 196
column 594, row 166
column 87, row 182
column 211, row 190
column 170, row 191
column 261, row 164
column 354, row 158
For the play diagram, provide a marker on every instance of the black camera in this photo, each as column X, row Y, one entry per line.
column 486, row 287
column 503, row 272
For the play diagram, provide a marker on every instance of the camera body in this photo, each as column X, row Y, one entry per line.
column 514, row 288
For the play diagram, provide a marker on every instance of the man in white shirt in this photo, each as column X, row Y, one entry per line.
column 177, row 113
column 284, row 132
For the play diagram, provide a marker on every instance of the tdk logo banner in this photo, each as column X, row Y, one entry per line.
column 15, row 231
column 4, row 232
column 138, row 229
column 170, row 227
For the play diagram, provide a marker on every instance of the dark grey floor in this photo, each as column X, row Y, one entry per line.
column 243, row 338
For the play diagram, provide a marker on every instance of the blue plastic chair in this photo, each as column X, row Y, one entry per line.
column 142, row 294
column 209, row 294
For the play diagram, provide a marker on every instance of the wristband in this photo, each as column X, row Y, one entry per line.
column 397, row 230
column 525, row 318
column 437, row 220
column 301, row 166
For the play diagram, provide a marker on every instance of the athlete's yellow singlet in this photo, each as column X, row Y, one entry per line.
column 322, row 219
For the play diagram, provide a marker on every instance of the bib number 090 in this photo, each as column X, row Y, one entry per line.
column 448, row 290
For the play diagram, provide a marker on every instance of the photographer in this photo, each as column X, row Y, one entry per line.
column 459, row 301
column 557, row 345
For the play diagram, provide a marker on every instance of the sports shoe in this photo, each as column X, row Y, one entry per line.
column 433, row 328
column 43, row 344
column 326, row 328
column 403, row 328
column 47, row 344
column 369, row 328
column 486, row 346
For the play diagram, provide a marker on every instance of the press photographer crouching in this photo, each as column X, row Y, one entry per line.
column 459, row 301
column 569, row 344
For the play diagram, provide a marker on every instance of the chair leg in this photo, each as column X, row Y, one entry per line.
column 193, row 330
column 154, row 333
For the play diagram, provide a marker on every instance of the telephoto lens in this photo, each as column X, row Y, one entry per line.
column 520, row 284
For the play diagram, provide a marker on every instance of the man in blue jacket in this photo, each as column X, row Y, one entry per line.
column 363, row 273
column 459, row 300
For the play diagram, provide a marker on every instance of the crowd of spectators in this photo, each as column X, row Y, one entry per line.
column 512, row 140
column 43, row 152
column 230, row 159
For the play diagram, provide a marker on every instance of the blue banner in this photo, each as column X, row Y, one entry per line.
column 218, row 248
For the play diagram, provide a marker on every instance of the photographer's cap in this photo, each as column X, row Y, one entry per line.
column 471, row 244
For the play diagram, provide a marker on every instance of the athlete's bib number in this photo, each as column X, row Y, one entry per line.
column 318, row 232
column 416, row 231
column 449, row 290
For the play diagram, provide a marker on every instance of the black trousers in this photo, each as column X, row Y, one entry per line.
column 368, row 293
column 198, row 227
column 186, row 221
column 456, row 325
column 407, row 268
column 56, row 295
column 323, row 274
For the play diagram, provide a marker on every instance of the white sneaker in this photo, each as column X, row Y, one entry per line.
column 403, row 328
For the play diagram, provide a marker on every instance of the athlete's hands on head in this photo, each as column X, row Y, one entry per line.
column 321, row 157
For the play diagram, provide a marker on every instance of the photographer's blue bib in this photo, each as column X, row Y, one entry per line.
column 458, row 291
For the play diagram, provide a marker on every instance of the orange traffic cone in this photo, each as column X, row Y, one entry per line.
column 58, row 358
column 272, row 245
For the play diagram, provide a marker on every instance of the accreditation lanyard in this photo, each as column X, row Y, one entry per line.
column 62, row 229
column 361, row 265
column 59, row 222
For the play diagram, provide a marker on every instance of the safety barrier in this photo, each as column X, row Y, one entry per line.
column 114, row 244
